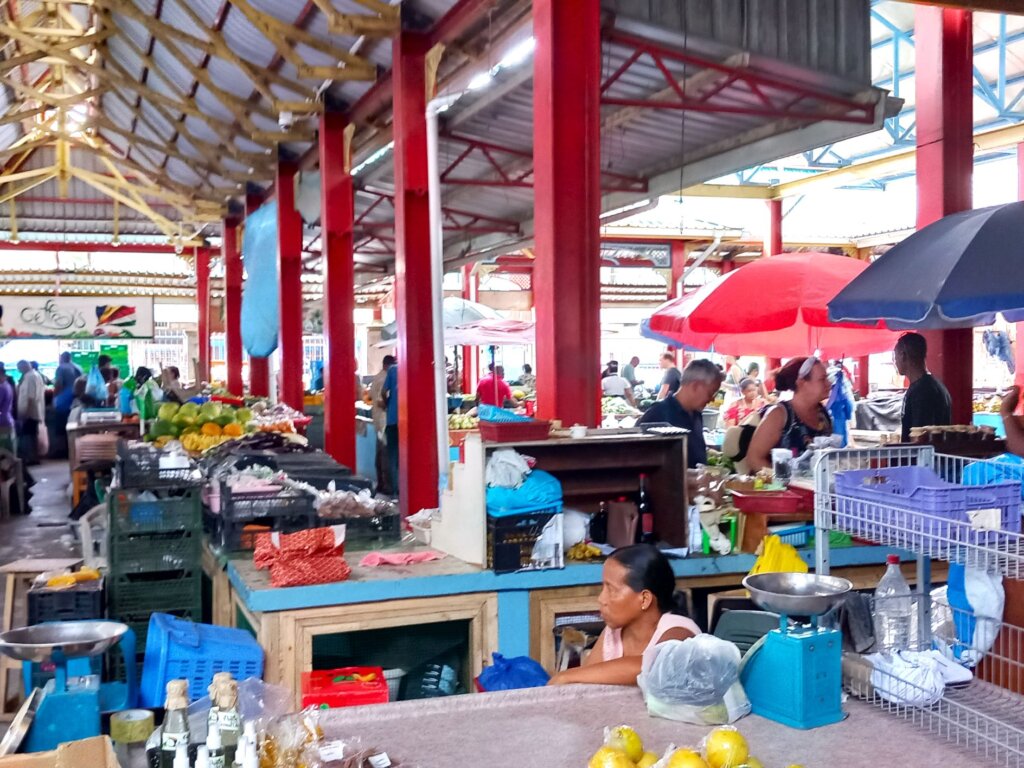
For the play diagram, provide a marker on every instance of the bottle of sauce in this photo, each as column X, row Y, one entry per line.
column 643, row 500
column 174, row 732
column 215, row 747
column 599, row 525
column 224, row 713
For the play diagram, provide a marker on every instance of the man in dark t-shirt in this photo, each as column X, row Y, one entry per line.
column 699, row 384
column 927, row 402
column 672, row 377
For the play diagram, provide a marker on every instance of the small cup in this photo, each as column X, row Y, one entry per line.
column 577, row 431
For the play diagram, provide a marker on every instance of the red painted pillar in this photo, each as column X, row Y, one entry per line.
column 566, row 157
column 773, row 240
column 289, row 270
column 233, row 306
column 944, row 83
column 1018, row 344
column 862, row 384
column 417, row 422
column 259, row 367
column 679, row 254
column 337, row 213
column 203, row 304
column 470, row 357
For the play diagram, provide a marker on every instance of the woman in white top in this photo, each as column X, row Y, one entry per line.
column 614, row 385
column 640, row 608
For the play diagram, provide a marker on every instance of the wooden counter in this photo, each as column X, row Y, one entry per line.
column 127, row 430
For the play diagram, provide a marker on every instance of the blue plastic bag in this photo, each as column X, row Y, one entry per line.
column 95, row 386
column 260, row 318
column 508, row 674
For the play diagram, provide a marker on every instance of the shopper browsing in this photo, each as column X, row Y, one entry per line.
column 672, row 377
column 792, row 424
column 699, row 384
column 389, row 392
column 927, row 402
column 629, row 371
column 31, row 412
column 6, row 412
column 640, row 608
column 379, row 412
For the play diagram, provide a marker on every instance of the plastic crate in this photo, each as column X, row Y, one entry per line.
column 170, row 511
column 178, row 649
column 82, row 601
column 146, row 552
column 371, row 529
column 242, row 507
column 232, row 536
column 872, row 502
column 512, row 539
column 768, row 502
column 344, row 687
column 138, row 593
column 798, row 536
column 514, row 431
column 138, row 466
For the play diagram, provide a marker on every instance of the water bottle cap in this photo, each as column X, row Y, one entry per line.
column 893, row 560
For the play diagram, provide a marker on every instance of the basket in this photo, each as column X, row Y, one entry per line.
column 495, row 415
column 768, row 502
column 138, row 466
column 240, row 536
column 370, row 529
column 141, row 592
column 241, row 506
column 178, row 649
column 333, row 688
column 799, row 536
column 141, row 553
column 917, row 500
column 129, row 513
column 514, row 431
column 512, row 539
column 82, row 601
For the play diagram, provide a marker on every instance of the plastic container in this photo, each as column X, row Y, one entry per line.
column 344, row 687
column 512, row 539
column 514, row 431
column 141, row 592
column 141, row 553
column 768, row 502
column 394, row 681
column 131, row 512
column 82, row 601
column 799, row 536
column 179, row 649
column 138, row 466
column 893, row 609
column 874, row 502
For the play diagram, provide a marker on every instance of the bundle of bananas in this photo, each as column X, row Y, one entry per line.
column 583, row 551
column 195, row 442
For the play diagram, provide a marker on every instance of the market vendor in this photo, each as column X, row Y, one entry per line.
column 927, row 402
column 174, row 391
column 793, row 423
column 640, row 608
column 1012, row 423
column 700, row 383
column 749, row 403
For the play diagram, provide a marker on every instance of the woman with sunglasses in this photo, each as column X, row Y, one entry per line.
column 793, row 423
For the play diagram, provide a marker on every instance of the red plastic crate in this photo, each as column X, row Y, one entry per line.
column 334, row 688
column 514, row 431
column 769, row 502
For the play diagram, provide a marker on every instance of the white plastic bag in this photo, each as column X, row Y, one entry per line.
column 694, row 681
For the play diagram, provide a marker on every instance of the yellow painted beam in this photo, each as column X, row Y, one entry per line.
column 737, row 191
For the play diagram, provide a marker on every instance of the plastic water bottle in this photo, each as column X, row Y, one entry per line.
column 894, row 609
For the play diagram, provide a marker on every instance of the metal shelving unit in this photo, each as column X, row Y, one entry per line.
column 985, row 715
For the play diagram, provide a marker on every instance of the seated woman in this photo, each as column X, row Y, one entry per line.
column 640, row 608
column 793, row 423
column 749, row 403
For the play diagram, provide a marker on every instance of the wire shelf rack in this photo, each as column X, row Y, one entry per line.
column 986, row 714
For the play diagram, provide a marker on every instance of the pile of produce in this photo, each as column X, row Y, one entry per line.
column 724, row 747
column 461, row 421
column 198, row 427
column 274, row 418
column 616, row 406
column 986, row 403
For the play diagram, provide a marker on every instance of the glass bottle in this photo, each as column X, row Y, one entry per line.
column 646, row 513
column 224, row 713
column 174, row 731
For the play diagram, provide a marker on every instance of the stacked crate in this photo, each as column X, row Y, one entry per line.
column 155, row 550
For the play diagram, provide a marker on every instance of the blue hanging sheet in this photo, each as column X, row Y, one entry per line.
column 260, row 316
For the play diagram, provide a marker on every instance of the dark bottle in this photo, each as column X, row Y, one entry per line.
column 599, row 525
column 646, row 513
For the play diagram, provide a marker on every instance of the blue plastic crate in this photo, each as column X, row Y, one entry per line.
column 921, row 506
column 180, row 649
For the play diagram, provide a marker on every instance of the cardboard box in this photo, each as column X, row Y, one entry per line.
column 97, row 752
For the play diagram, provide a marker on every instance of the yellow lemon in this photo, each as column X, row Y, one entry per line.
column 726, row 748
column 685, row 758
column 753, row 762
column 626, row 739
column 609, row 757
column 648, row 759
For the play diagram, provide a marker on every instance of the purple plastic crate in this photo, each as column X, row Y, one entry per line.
column 916, row 504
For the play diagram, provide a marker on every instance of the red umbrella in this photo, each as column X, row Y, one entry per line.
column 777, row 307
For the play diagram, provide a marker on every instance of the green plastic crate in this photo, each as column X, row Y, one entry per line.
column 169, row 511
column 131, row 594
column 148, row 552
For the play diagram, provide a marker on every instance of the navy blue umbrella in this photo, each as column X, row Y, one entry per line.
column 959, row 272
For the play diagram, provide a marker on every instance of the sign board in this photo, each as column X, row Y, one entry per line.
column 76, row 317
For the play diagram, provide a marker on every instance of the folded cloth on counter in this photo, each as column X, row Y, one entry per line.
column 852, row 616
column 539, row 489
column 374, row 559
column 314, row 556
column 507, row 469
column 915, row 678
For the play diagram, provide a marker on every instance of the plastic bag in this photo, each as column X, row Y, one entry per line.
column 507, row 674
column 694, row 680
column 256, row 700
column 777, row 557
column 96, row 387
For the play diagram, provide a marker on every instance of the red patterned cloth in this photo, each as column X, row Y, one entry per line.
column 314, row 556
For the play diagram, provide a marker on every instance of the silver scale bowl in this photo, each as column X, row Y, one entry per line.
column 68, row 639
column 796, row 594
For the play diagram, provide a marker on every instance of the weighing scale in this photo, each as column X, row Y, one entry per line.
column 794, row 674
column 69, row 706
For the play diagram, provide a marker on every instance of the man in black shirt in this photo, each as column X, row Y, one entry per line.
column 670, row 381
column 699, row 384
column 927, row 402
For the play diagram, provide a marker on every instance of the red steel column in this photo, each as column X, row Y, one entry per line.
column 417, row 417
column 679, row 254
column 289, row 240
column 233, row 306
column 773, row 240
column 862, row 384
column 944, row 83
column 470, row 356
column 259, row 367
column 337, row 213
column 203, row 304
column 1018, row 344
column 567, row 199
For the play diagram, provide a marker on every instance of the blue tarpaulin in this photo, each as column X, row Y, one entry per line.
column 260, row 317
